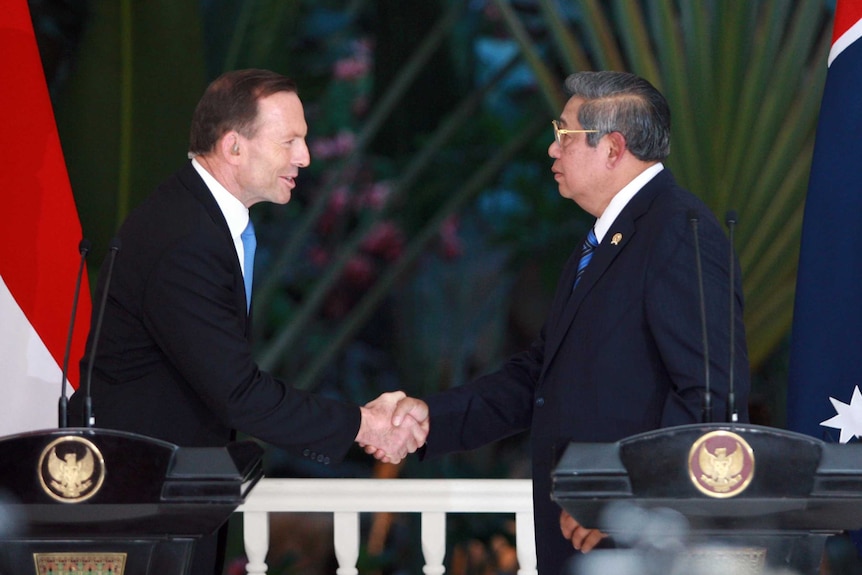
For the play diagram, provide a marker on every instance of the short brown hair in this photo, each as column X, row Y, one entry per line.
column 230, row 103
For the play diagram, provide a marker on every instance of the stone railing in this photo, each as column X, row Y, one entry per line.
column 346, row 499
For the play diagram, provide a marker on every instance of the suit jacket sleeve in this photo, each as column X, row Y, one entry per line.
column 673, row 309
column 488, row 408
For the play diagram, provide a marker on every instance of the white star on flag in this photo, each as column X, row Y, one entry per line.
column 849, row 418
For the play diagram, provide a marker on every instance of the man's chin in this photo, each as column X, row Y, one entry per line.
column 282, row 196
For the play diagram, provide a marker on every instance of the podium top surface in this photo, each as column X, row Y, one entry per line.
column 123, row 481
column 718, row 474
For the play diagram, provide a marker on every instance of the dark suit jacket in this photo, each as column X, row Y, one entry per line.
column 620, row 355
column 174, row 361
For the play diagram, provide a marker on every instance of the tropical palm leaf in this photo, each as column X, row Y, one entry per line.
column 121, row 135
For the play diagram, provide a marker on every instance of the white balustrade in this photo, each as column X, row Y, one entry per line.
column 346, row 499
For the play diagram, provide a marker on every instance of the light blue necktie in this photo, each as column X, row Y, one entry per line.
column 590, row 244
column 249, row 244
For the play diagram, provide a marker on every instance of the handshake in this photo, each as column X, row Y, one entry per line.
column 392, row 426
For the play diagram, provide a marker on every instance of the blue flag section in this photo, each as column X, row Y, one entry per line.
column 826, row 347
column 823, row 395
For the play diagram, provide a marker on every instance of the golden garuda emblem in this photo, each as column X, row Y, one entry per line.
column 71, row 469
column 721, row 464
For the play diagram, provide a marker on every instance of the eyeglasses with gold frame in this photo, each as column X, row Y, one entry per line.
column 559, row 132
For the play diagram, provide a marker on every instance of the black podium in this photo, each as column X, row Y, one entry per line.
column 102, row 502
column 750, row 497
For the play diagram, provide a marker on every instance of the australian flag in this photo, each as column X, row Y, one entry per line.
column 826, row 348
column 823, row 396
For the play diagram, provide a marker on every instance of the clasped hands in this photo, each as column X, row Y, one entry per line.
column 393, row 425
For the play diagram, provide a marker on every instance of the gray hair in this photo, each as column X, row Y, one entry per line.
column 625, row 103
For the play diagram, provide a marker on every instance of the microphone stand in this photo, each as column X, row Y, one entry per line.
column 63, row 415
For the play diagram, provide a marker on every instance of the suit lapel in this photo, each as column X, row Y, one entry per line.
column 564, row 291
column 196, row 186
column 611, row 246
column 621, row 232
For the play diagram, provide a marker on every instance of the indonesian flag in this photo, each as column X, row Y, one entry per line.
column 39, row 239
column 823, row 398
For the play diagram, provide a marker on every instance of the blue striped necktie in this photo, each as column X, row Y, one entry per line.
column 249, row 244
column 590, row 244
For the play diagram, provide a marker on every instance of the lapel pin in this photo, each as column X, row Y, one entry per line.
column 618, row 237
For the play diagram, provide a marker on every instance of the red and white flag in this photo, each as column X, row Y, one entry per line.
column 39, row 238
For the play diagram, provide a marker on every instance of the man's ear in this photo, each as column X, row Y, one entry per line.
column 230, row 147
column 616, row 148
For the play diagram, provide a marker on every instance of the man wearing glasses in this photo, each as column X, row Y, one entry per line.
column 621, row 350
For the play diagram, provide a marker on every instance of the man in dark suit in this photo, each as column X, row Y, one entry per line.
column 621, row 350
column 174, row 361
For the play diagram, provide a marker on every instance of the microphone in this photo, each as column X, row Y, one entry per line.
column 707, row 396
column 63, row 416
column 732, row 413
column 114, row 247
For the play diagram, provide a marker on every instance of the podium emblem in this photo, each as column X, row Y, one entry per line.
column 721, row 464
column 71, row 469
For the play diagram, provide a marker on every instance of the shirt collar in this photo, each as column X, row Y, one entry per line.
column 233, row 210
column 622, row 198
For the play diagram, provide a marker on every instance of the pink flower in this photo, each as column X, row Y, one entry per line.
column 359, row 271
column 385, row 240
column 375, row 196
column 318, row 256
column 350, row 69
column 339, row 199
column 355, row 66
column 334, row 210
column 335, row 147
column 450, row 243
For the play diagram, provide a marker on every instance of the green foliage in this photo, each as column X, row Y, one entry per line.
column 123, row 115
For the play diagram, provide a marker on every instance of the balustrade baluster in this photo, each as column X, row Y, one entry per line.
column 525, row 543
column 256, row 538
column 346, row 538
column 433, row 542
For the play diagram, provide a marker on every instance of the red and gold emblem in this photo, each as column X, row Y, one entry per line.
column 721, row 464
